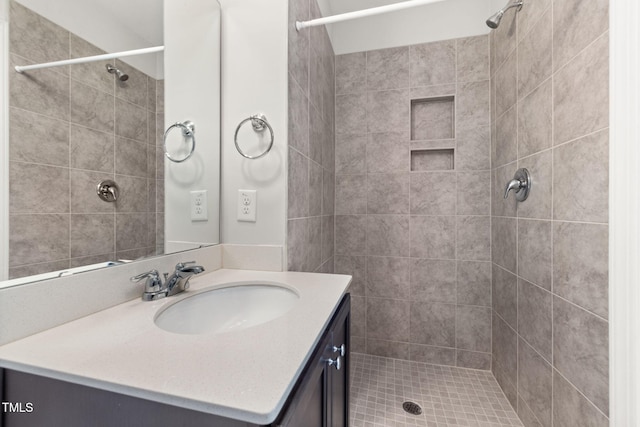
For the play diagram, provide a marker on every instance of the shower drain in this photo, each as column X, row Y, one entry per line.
column 412, row 408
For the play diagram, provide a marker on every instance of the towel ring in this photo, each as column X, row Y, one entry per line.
column 259, row 123
column 188, row 131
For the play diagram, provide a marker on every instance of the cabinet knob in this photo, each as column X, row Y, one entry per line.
column 337, row 362
column 342, row 349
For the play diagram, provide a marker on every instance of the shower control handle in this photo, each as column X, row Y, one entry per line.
column 521, row 183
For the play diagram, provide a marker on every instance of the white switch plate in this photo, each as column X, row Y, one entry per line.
column 199, row 205
column 247, row 205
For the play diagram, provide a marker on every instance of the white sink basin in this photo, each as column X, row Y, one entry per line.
column 227, row 309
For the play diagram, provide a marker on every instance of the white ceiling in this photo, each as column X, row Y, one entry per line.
column 143, row 17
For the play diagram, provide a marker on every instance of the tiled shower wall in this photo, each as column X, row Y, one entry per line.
column 550, row 278
column 414, row 230
column 311, row 143
column 70, row 128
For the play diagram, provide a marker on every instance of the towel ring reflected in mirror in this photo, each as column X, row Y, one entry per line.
column 188, row 131
column 259, row 123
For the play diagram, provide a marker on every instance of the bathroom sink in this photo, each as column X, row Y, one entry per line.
column 227, row 309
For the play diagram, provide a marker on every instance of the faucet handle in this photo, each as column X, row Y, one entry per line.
column 153, row 282
column 181, row 265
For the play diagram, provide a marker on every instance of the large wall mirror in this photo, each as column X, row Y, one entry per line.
column 73, row 128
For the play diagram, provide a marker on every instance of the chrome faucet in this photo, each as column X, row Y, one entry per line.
column 178, row 281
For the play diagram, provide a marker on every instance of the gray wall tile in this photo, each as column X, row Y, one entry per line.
column 535, row 317
column 387, row 111
column 351, row 154
column 388, row 193
column 474, row 283
column 505, row 295
column 575, row 25
column 29, row 130
column 298, row 130
column 433, row 63
column 506, row 85
column 351, row 234
column 534, row 56
column 581, row 351
column 351, row 73
column 351, row 113
column 392, row 349
column 431, row 354
column 473, row 328
column 473, row 105
column 388, row 68
column 535, row 120
column 581, row 265
column 473, row 240
column 538, row 204
column 298, row 188
column 351, row 194
column 92, row 234
column 570, row 408
column 354, row 266
column 473, row 60
column 297, row 238
column 534, row 252
column 131, row 122
column 581, row 93
column 505, row 353
column 46, row 92
column 315, row 188
column 504, row 243
column 473, row 359
column 474, row 193
column 388, row 235
column 535, row 382
column 388, row 277
column 131, row 157
column 298, row 43
column 38, row 238
column 433, row 237
column 473, row 148
column 433, row 280
column 588, row 156
column 506, row 147
column 93, row 150
column 29, row 182
column 387, row 319
column 431, row 193
column 134, row 89
column 388, row 152
column 433, row 323
column 94, row 109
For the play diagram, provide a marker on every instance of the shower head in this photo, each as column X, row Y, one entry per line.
column 494, row 20
column 113, row 70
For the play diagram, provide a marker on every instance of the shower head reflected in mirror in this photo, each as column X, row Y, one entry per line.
column 494, row 20
column 119, row 74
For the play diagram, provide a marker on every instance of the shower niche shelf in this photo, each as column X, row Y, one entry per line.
column 433, row 118
column 435, row 159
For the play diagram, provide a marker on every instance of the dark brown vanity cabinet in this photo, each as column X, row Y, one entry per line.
column 319, row 398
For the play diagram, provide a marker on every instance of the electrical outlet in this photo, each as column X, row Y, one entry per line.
column 199, row 205
column 247, row 205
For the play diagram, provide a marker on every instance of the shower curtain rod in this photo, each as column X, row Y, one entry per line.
column 362, row 13
column 23, row 68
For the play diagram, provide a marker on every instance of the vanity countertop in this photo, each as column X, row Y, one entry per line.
column 246, row 374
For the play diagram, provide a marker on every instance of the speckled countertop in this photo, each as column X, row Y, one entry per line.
column 246, row 375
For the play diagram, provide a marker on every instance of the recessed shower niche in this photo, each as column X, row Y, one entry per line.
column 433, row 118
column 432, row 127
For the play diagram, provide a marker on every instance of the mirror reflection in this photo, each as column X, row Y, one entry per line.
column 86, row 159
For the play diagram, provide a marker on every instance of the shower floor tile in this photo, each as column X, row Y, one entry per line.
column 448, row 396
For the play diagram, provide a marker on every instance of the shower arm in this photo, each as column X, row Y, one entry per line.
column 22, row 68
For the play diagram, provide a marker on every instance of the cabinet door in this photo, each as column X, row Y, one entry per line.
column 339, row 378
column 307, row 406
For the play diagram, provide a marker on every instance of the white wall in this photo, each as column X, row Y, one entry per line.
column 254, row 75
column 111, row 27
column 4, row 138
column 438, row 21
column 192, row 92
